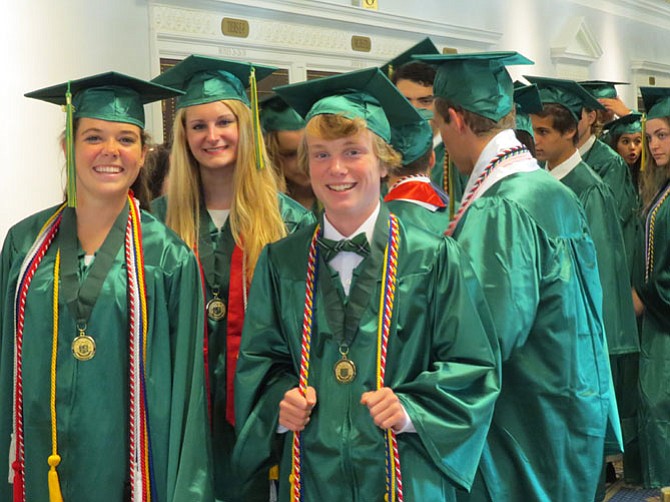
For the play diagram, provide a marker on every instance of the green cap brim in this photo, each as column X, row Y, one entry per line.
column 628, row 124
column 527, row 99
column 413, row 140
column 366, row 94
column 206, row 79
column 425, row 46
column 277, row 115
column 566, row 93
column 656, row 101
column 110, row 96
column 601, row 88
column 477, row 82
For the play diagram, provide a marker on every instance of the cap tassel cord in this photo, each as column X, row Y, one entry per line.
column 258, row 138
column 55, row 494
column 69, row 150
column 643, row 155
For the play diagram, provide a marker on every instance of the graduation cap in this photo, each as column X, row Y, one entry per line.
column 601, row 88
column 366, row 94
column 527, row 101
column 414, row 139
column 628, row 124
column 110, row 96
column 566, row 93
column 656, row 101
column 206, row 79
column 478, row 82
column 277, row 115
column 425, row 46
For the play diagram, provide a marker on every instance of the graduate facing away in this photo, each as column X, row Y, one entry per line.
column 101, row 377
column 531, row 249
column 372, row 368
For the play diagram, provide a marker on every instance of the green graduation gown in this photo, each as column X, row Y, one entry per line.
column 92, row 397
column 654, row 416
column 615, row 172
column 223, row 433
column 442, row 364
column 530, row 247
column 410, row 213
column 599, row 206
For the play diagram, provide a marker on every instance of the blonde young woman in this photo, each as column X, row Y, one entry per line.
column 101, row 377
column 223, row 201
column 651, row 293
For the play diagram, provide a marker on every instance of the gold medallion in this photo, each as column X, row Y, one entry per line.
column 345, row 370
column 83, row 347
column 216, row 309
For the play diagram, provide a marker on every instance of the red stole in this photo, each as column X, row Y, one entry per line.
column 235, row 321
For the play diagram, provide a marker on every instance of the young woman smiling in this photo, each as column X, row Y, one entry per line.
column 100, row 367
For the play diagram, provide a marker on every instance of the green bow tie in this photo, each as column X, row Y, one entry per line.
column 330, row 248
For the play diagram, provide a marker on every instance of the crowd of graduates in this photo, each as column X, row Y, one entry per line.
column 420, row 282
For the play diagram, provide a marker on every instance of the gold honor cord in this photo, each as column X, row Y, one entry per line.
column 258, row 134
column 55, row 494
column 643, row 155
column 69, row 150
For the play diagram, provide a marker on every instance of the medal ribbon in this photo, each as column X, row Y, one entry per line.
column 470, row 197
column 393, row 474
column 141, row 471
column 421, row 191
column 649, row 231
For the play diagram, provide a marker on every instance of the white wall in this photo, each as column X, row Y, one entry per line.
column 44, row 42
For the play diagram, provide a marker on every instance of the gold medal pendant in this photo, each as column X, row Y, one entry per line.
column 345, row 370
column 216, row 309
column 83, row 346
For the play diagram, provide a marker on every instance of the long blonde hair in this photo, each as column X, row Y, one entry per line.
column 255, row 218
column 652, row 177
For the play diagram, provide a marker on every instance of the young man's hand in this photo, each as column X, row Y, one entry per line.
column 295, row 409
column 386, row 409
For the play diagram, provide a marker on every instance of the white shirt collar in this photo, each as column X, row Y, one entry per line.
column 584, row 149
column 368, row 226
column 564, row 168
column 502, row 140
column 437, row 140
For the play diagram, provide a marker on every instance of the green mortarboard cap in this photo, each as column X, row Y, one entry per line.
column 107, row 96
column 205, row 79
column 478, row 82
column 628, row 124
column 414, row 139
column 567, row 93
column 656, row 101
column 277, row 115
column 426, row 46
column 366, row 94
column 601, row 88
column 527, row 101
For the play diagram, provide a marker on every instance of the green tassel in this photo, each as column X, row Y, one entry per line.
column 69, row 150
column 258, row 134
column 643, row 155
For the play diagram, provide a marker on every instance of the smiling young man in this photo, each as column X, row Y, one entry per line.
column 372, row 367
column 556, row 137
column 530, row 247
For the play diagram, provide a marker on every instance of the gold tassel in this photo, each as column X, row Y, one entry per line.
column 258, row 134
column 55, row 494
column 69, row 150
column 643, row 155
column 390, row 71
